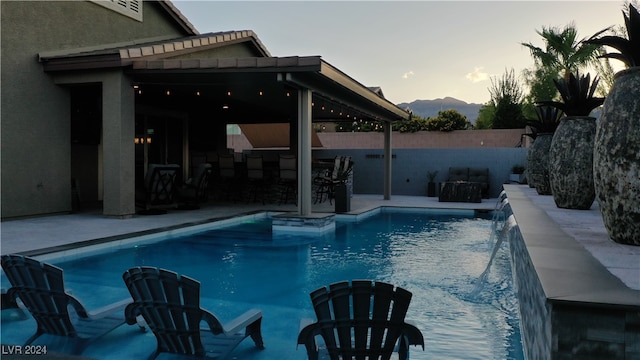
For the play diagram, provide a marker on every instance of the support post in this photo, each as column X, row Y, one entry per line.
column 118, row 129
column 304, row 151
column 387, row 160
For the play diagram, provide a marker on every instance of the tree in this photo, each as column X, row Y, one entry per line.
column 448, row 120
column 563, row 54
column 507, row 98
column 485, row 116
column 416, row 123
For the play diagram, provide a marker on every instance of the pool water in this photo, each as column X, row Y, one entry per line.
column 438, row 257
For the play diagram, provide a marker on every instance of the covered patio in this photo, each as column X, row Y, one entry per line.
column 205, row 95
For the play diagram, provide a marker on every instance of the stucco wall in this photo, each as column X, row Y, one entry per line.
column 416, row 154
column 507, row 138
column 36, row 150
column 410, row 167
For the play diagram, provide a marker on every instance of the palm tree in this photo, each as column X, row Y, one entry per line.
column 563, row 54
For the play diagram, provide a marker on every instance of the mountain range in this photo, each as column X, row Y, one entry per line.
column 430, row 108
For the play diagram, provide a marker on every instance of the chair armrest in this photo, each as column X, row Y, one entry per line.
column 241, row 322
column 307, row 336
column 413, row 334
column 308, row 328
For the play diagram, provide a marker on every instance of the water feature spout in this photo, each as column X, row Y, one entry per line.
column 503, row 234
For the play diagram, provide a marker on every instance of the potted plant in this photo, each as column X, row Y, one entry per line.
column 617, row 142
column 571, row 150
column 543, row 128
column 517, row 174
column 431, row 185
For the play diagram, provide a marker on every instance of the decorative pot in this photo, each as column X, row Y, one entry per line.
column 538, row 163
column 431, row 189
column 617, row 159
column 571, row 163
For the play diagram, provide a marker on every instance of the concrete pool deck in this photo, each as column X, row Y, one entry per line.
column 40, row 233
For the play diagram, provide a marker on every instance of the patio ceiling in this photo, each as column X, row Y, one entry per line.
column 263, row 90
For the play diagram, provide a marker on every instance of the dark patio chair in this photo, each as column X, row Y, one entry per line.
column 159, row 188
column 361, row 319
column 40, row 288
column 288, row 179
column 196, row 189
column 256, row 180
column 170, row 305
column 228, row 180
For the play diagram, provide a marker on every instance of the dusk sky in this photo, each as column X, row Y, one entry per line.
column 412, row 50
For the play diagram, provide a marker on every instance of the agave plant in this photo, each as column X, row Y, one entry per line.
column 629, row 48
column 577, row 95
column 548, row 119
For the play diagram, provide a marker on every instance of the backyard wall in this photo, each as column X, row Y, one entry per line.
column 494, row 138
column 416, row 154
column 410, row 167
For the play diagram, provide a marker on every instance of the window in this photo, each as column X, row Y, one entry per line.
column 130, row 8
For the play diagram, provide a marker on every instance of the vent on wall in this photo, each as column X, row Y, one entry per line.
column 130, row 8
column 378, row 156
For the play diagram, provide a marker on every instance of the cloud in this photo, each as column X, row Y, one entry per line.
column 407, row 74
column 478, row 75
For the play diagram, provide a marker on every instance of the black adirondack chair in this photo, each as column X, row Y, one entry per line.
column 170, row 305
column 40, row 288
column 360, row 319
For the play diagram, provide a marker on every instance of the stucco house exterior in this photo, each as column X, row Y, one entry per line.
column 86, row 85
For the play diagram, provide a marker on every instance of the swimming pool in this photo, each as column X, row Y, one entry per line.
column 436, row 255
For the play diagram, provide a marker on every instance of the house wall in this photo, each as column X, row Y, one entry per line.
column 36, row 149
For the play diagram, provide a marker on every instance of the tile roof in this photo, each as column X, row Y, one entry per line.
column 122, row 54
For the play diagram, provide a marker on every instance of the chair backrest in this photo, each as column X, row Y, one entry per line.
column 160, row 183
column 201, row 179
column 479, row 175
column 226, row 166
column 361, row 319
column 288, row 167
column 170, row 305
column 254, row 166
column 40, row 286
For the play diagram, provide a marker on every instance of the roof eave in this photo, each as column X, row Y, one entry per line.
column 337, row 76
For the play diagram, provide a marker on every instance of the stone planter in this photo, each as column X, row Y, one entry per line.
column 538, row 163
column 571, row 163
column 617, row 159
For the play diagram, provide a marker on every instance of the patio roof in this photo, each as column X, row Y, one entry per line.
column 161, row 63
column 267, row 83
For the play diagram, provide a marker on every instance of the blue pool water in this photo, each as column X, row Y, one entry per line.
column 438, row 257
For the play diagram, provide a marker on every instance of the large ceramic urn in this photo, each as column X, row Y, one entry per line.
column 616, row 165
column 571, row 163
column 538, row 163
